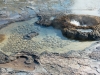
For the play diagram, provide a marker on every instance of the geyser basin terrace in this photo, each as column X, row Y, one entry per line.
column 88, row 27
column 28, row 49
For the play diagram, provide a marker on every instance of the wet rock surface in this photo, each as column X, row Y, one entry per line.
column 91, row 22
column 47, row 20
column 8, row 16
column 4, row 58
column 30, row 35
column 44, row 20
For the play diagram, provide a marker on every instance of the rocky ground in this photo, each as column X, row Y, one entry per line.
column 84, row 62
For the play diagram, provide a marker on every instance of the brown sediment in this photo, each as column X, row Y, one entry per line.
column 19, row 64
column 24, row 61
column 2, row 37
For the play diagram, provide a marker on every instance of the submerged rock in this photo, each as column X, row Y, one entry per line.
column 30, row 35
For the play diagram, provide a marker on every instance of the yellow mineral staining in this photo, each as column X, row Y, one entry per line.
column 2, row 37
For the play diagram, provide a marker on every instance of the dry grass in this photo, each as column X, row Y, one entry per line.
column 2, row 37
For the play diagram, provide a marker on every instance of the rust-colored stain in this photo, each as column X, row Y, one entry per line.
column 2, row 37
column 19, row 64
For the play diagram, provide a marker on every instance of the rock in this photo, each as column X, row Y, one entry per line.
column 71, row 30
column 71, row 54
column 98, row 48
column 95, row 55
column 30, row 35
column 70, row 63
column 4, row 58
column 25, row 60
column 45, row 20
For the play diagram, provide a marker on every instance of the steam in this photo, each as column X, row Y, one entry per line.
column 88, row 7
column 76, row 23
